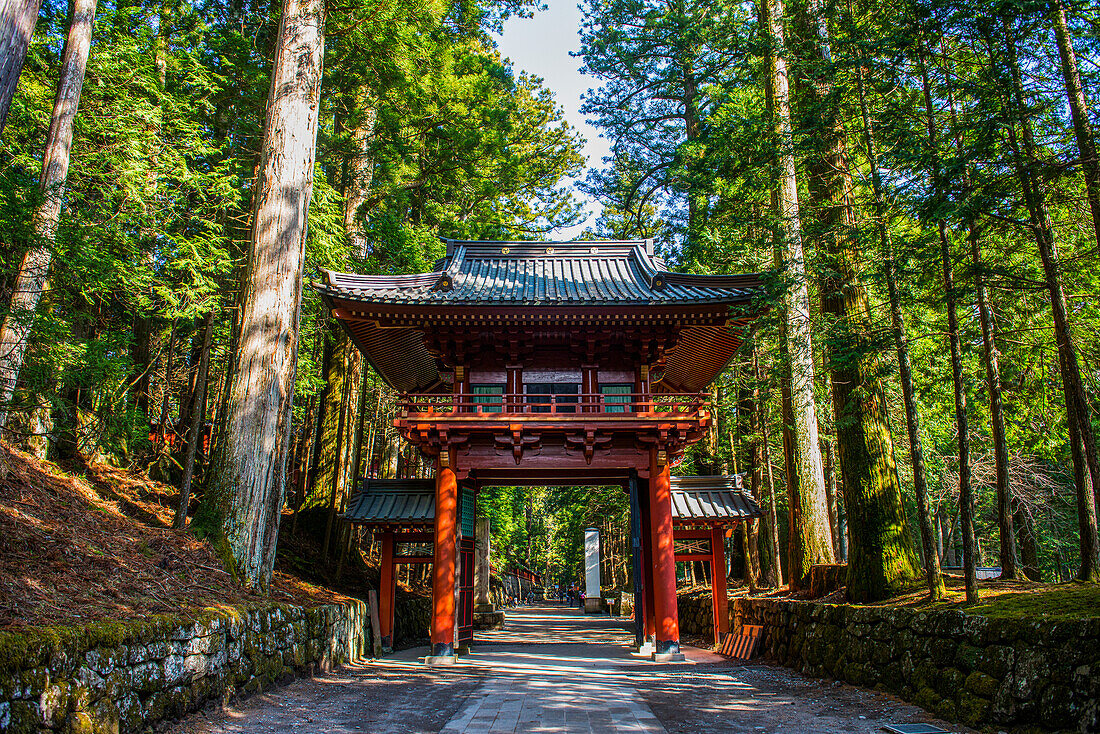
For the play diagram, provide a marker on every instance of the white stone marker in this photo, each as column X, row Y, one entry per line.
column 591, row 570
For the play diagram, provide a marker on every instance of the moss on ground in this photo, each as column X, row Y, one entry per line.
column 1067, row 601
column 998, row 599
column 1012, row 600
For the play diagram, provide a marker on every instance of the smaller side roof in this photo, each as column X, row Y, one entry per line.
column 707, row 500
column 712, row 500
column 393, row 502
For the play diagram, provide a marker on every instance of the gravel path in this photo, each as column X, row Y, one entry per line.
column 554, row 669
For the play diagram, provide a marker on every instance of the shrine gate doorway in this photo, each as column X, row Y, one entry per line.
column 580, row 363
column 704, row 512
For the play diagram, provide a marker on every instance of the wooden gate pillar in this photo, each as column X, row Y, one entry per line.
column 443, row 563
column 719, row 599
column 664, row 556
column 386, row 593
column 646, row 604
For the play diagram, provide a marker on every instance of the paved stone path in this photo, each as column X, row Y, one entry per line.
column 554, row 669
column 543, row 665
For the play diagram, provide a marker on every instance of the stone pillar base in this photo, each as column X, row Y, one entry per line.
column 489, row 620
column 439, row 659
column 667, row 651
column 592, row 605
column 668, row 657
column 484, row 608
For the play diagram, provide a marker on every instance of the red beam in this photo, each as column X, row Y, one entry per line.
column 694, row 557
column 413, row 559
column 690, row 533
column 413, row 537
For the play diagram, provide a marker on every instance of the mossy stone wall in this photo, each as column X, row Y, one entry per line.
column 128, row 676
column 412, row 620
column 984, row 672
column 696, row 617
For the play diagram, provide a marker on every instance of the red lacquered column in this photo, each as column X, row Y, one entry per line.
column 443, row 567
column 385, row 593
column 647, row 566
column 719, row 600
column 664, row 558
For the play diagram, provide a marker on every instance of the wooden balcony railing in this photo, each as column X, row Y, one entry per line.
column 558, row 404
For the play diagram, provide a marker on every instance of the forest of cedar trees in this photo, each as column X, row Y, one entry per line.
column 917, row 180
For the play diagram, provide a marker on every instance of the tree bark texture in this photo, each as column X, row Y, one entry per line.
column 775, row 569
column 360, row 171
column 331, row 438
column 810, row 542
column 244, row 501
column 35, row 268
column 17, row 20
column 996, row 414
column 141, row 351
column 881, row 559
column 966, row 492
column 1079, row 111
column 966, row 496
column 198, row 412
column 748, row 414
column 1078, row 410
column 901, row 347
column 338, row 478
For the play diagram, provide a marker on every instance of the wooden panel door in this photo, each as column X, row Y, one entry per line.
column 466, row 591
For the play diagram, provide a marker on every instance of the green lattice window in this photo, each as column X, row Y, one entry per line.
column 488, row 398
column 616, row 398
column 468, row 512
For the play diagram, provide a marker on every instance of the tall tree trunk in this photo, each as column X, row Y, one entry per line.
column 966, row 496
column 34, row 271
column 1007, row 553
column 354, row 470
column 360, row 171
column 748, row 413
column 966, row 492
column 141, row 351
column 1029, row 551
column 830, row 492
column 996, row 414
column 17, row 20
column 243, row 504
column 198, row 412
column 337, row 477
column 747, row 419
column 1079, row 111
column 776, row 565
column 901, row 347
column 1078, row 410
column 809, row 532
column 325, row 402
column 329, row 443
column 188, row 396
column 881, row 560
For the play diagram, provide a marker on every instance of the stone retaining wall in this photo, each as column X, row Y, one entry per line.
column 1007, row 673
column 412, row 619
column 128, row 676
column 696, row 617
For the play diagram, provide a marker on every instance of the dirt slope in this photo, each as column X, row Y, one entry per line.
column 98, row 546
